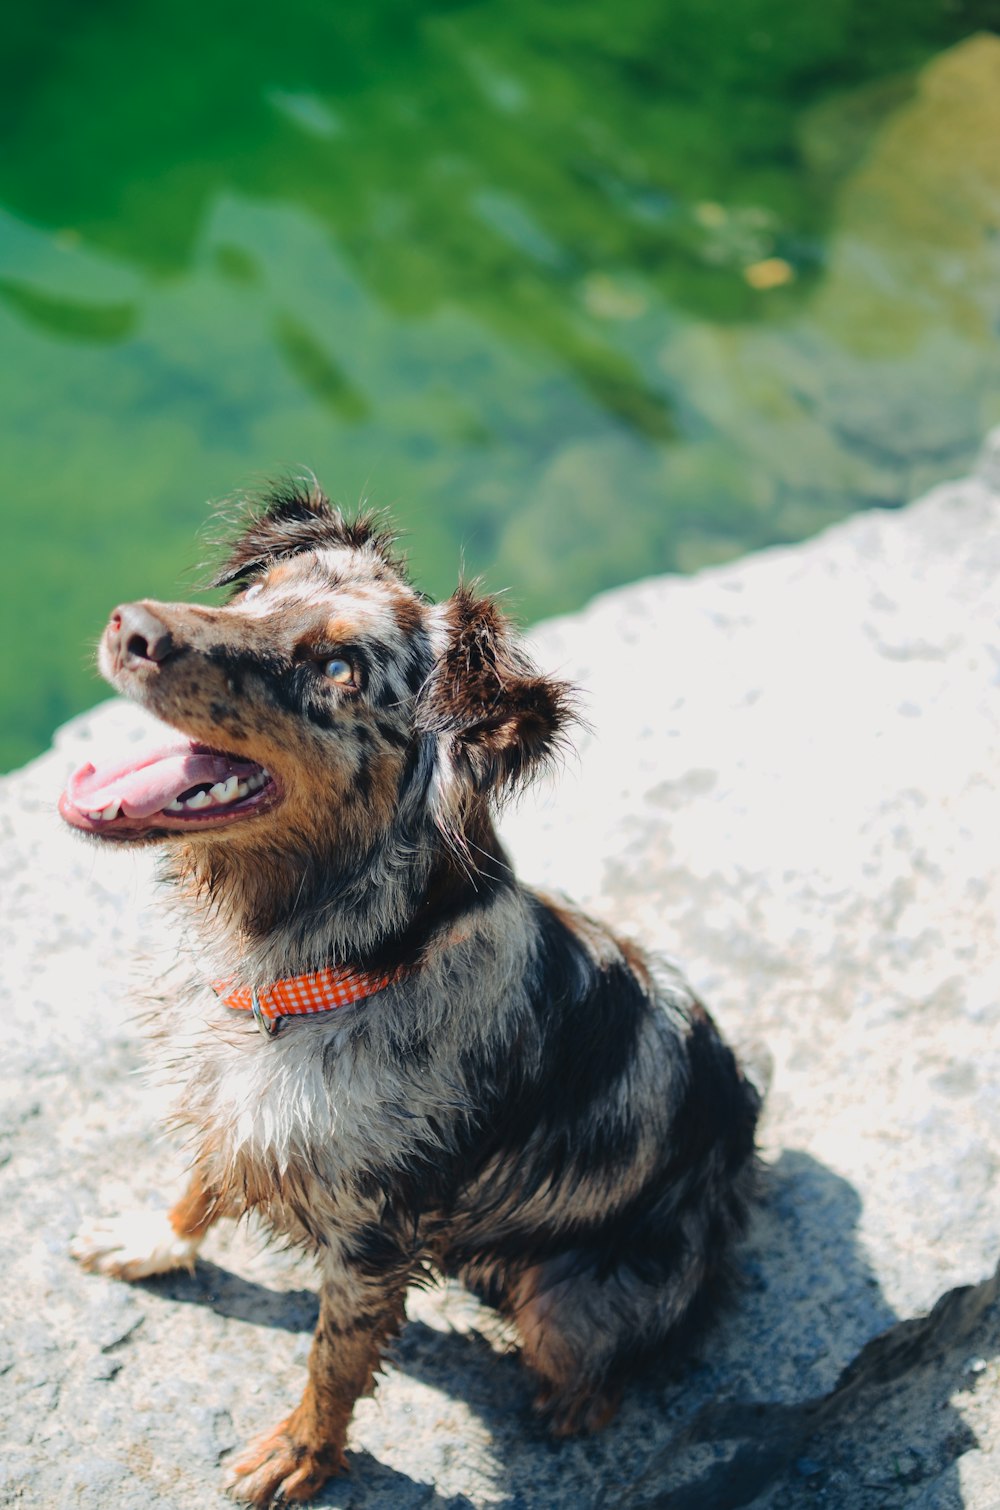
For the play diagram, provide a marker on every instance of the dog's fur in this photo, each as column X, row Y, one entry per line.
column 532, row 1106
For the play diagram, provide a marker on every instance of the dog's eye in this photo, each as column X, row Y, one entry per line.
column 339, row 671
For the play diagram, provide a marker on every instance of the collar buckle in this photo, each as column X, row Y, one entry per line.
column 270, row 1029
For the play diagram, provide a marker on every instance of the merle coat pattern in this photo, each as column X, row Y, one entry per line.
column 530, row 1105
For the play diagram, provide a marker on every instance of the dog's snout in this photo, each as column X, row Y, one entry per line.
column 137, row 635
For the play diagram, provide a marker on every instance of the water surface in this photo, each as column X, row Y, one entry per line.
column 580, row 292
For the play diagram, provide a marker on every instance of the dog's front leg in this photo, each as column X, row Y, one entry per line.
column 294, row 1460
column 139, row 1244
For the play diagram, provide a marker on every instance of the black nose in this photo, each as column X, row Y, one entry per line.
column 136, row 635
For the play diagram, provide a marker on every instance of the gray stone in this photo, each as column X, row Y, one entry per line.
column 788, row 781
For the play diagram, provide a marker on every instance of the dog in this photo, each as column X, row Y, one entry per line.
column 402, row 1059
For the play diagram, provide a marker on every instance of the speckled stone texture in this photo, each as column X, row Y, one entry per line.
column 789, row 782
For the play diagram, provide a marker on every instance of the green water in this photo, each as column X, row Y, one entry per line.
column 580, row 291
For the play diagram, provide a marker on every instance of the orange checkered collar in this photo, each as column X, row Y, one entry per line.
column 302, row 995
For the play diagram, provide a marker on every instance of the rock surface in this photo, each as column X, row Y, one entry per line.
column 788, row 782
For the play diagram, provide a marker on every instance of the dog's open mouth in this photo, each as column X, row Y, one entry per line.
column 181, row 786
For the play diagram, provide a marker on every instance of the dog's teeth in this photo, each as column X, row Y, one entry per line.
column 241, row 789
column 95, row 817
column 224, row 791
column 112, row 810
column 174, row 807
column 200, row 799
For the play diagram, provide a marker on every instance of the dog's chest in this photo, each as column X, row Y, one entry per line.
column 319, row 1099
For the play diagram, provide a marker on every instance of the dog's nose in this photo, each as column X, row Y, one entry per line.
column 137, row 635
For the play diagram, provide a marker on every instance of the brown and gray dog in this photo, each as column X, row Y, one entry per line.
column 454, row 1074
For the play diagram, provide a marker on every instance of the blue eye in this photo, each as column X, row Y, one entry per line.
column 339, row 671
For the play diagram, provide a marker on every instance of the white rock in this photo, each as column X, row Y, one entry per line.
column 790, row 783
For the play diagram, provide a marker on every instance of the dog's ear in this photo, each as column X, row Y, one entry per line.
column 293, row 517
column 502, row 719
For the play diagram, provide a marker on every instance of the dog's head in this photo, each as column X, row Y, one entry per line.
column 325, row 702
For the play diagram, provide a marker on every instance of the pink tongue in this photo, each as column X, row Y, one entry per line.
column 152, row 780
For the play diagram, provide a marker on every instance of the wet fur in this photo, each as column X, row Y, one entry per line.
column 534, row 1107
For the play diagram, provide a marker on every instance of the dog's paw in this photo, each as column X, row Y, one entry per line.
column 135, row 1246
column 277, row 1468
column 569, row 1414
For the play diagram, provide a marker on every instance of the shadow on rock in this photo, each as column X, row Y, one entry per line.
column 242, row 1299
column 466, row 1365
column 372, row 1485
column 886, row 1427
